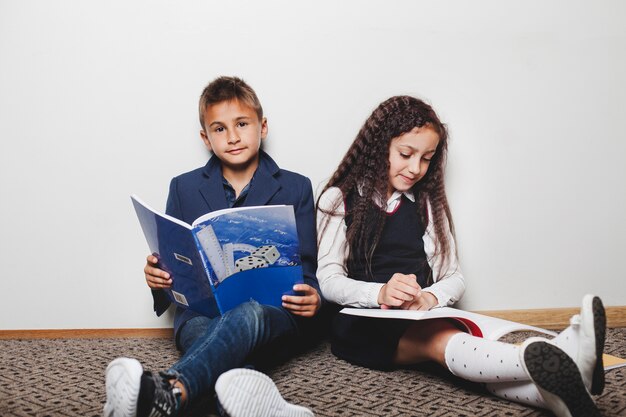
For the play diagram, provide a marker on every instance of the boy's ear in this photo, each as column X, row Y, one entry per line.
column 264, row 128
column 205, row 139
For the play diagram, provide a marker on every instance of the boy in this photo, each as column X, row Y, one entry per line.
column 238, row 174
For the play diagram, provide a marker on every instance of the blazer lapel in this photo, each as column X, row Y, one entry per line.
column 264, row 185
column 213, row 194
column 262, row 190
column 212, row 190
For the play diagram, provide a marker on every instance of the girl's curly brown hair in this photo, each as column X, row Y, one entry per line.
column 363, row 177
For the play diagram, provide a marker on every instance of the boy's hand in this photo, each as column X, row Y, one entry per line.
column 156, row 278
column 303, row 305
column 400, row 289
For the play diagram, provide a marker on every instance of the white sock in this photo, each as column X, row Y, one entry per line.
column 521, row 392
column 481, row 360
column 568, row 339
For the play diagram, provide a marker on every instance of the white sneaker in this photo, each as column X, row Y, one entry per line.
column 592, row 334
column 583, row 341
column 123, row 380
column 248, row 393
column 558, row 379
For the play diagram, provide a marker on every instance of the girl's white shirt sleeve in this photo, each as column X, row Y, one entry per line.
column 333, row 253
column 449, row 283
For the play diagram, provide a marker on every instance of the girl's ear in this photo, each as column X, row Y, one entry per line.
column 206, row 140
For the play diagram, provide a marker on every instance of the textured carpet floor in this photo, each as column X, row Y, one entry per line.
column 66, row 378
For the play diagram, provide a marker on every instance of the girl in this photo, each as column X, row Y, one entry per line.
column 386, row 240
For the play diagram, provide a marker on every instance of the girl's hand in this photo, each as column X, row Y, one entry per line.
column 399, row 290
column 156, row 278
column 424, row 302
column 303, row 305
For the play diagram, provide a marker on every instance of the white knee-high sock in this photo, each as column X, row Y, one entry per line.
column 495, row 363
column 481, row 360
column 524, row 392
column 568, row 339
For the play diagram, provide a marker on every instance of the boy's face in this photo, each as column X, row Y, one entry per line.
column 233, row 132
column 409, row 158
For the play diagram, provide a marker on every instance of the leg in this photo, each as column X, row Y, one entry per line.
column 211, row 348
column 466, row 356
column 193, row 329
column 556, row 380
column 425, row 341
column 524, row 392
column 507, row 368
column 228, row 342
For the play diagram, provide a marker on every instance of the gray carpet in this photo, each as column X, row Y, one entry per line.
column 66, row 378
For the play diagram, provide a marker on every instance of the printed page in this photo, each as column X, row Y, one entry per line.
column 477, row 324
column 250, row 253
column 221, row 212
column 612, row 362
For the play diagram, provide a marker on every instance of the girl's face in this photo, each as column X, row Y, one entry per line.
column 409, row 157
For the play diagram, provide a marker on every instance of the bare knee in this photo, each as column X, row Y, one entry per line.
column 425, row 341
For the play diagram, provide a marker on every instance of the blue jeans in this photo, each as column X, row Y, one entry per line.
column 212, row 346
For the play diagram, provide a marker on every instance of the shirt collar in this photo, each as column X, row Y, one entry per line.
column 397, row 194
column 229, row 191
column 393, row 201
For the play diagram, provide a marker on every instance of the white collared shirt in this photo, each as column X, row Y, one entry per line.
column 333, row 253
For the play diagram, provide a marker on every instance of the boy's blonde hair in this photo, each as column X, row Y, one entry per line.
column 226, row 89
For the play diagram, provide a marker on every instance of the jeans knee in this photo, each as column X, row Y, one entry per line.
column 250, row 308
column 191, row 331
column 250, row 314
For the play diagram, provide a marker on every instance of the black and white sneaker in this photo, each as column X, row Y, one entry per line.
column 592, row 333
column 584, row 340
column 249, row 393
column 133, row 392
column 558, row 379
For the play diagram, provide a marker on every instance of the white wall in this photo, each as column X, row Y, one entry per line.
column 98, row 101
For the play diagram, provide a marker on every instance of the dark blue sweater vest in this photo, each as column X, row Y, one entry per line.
column 400, row 248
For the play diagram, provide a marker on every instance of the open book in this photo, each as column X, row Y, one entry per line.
column 476, row 324
column 225, row 257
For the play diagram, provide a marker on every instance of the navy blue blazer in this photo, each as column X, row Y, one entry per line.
column 200, row 191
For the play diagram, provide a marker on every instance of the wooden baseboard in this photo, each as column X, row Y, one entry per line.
column 556, row 318
column 547, row 318
column 86, row 333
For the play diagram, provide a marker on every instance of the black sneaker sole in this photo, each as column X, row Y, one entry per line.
column 554, row 371
column 599, row 327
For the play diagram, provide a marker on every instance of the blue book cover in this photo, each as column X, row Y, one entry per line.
column 225, row 257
